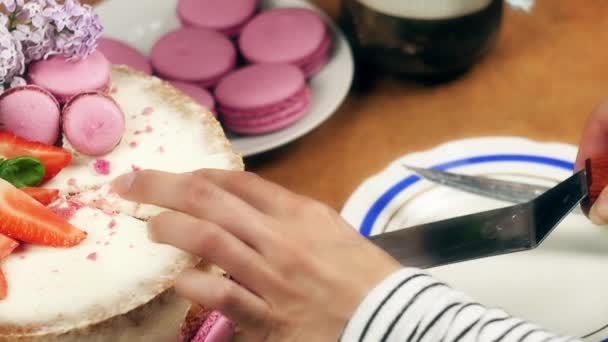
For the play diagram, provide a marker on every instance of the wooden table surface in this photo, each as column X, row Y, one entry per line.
column 548, row 70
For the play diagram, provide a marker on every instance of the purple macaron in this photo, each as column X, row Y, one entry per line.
column 225, row 16
column 120, row 53
column 263, row 98
column 30, row 112
column 296, row 36
column 194, row 55
column 198, row 94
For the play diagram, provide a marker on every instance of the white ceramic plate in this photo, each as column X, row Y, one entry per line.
column 141, row 22
column 560, row 285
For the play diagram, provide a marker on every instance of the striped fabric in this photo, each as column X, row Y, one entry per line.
column 411, row 305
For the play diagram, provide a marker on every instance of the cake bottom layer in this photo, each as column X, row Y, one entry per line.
column 156, row 321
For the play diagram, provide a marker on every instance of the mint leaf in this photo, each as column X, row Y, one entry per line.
column 22, row 171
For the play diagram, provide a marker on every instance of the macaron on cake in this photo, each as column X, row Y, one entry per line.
column 195, row 55
column 30, row 112
column 227, row 17
column 119, row 53
column 263, row 98
column 296, row 36
column 65, row 78
column 93, row 123
column 76, row 263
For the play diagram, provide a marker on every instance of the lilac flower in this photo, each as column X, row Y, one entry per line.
column 17, row 82
column 37, row 42
column 12, row 61
column 77, row 28
column 12, row 5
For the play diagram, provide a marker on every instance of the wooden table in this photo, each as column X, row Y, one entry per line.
column 548, row 70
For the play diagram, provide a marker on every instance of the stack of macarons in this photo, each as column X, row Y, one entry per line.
column 253, row 63
column 59, row 99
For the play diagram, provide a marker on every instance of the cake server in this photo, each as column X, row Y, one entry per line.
column 514, row 192
column 516, row 228
column 508, row 191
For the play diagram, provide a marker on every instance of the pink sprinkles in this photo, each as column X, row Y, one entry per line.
column 112, row 224
column 135, row 168
column 133, row 144
column 92, row 256
column 102, row 167
column 147, row 111
column 161, row 149
column 149, row 129
column 72, row 181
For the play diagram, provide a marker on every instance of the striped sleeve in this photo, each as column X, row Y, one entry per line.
column 410, row 305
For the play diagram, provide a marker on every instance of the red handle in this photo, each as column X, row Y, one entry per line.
column 597, row 180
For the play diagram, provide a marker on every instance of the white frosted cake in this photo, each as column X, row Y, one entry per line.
column 115, row 285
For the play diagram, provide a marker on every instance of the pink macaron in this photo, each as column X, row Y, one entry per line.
column 93, row 123
column 227, row 17
column 197, row 93
column 296, row 36
column 216, row 328
column 194, row 55
column 263, row 98
column 65, row 79
column 120, row 53
column 30, row 112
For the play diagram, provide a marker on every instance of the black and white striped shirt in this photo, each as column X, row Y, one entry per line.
column 411, row 305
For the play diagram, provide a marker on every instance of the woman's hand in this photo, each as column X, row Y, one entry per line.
column 299, row 270
column 594, row 142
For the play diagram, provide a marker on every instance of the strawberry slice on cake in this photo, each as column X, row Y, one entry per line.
column 7, row 246
column 25, row 219
column 53, row 158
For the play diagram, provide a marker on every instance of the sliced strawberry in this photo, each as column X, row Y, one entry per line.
column 23, row 218
column 53, row 158
column 7, row 246
column 42, row 195
column 3, row 286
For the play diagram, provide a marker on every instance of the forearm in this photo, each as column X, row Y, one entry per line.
column 411, row 305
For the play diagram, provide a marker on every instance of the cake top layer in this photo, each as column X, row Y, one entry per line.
column 165, row 130
column 116, row 268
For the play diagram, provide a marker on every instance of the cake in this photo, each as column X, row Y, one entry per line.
column 116, row 285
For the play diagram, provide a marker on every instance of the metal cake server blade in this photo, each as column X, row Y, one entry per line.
column 512, row 229
column 508, row 191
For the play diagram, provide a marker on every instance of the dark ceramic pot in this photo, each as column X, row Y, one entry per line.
column 428, row 39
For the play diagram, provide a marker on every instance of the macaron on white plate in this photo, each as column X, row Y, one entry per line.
column 560, row 285
column 140, row 23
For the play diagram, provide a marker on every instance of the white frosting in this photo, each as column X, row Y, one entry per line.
column 426, row 9
column 57, row 290
column 162, row 133
column 103, row 198
column 95, row 280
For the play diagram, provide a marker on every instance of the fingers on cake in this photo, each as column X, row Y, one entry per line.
column 250, row 66
column 76, row 263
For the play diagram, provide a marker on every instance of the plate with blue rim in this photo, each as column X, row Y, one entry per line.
column 560, row 285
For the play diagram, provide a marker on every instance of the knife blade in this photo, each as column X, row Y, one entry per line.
column 511, row 229
column 508, row 191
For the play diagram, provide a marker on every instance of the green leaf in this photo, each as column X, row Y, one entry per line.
column 22, row 171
